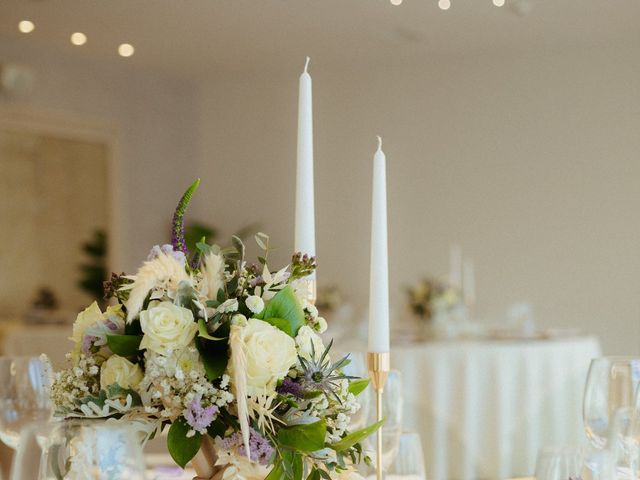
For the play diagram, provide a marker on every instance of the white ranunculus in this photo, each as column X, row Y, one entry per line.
column 167, row 327
column 321, row 325
column 305, row 338
column 117, row 369
column 269, row 354
column 254, row 303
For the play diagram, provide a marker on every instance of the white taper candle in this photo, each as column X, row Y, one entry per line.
column 379, row 271
column 305, row 232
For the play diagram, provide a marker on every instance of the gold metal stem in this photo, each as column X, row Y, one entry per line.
column 379, row 366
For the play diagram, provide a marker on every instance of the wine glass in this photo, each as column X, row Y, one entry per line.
column 409, row 461
column 392, row 406
column 611, row 384
column 624, row 440
column 564, row 463
column 92, row 450
column 25, row 384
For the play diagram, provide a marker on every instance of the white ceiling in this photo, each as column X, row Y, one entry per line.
column 203, row 36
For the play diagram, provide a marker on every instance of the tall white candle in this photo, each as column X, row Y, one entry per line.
column 469, row 283
column 305, row 232
column 455, row 266
column 379, row 279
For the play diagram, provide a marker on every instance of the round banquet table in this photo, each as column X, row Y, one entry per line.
column 483, row 408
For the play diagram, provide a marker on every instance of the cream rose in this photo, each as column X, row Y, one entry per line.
column 84, row 320
column 167, row 327
column 305, row 338
column 117, row 369
column 269, row 353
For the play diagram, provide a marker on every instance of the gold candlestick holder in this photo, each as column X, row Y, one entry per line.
column 379, row 365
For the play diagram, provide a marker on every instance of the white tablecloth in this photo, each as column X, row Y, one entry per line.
column 484, row 408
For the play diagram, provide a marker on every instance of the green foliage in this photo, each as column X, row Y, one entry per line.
column 196, row 233
column 182, row 448
column 304, row 438
column 214, row 357
column 281, row 324
column 285, row 305
column 351, row 439
column 124, row 345
column 356, row 387
column 202, row 331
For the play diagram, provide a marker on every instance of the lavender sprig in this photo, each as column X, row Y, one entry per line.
column 177, row 225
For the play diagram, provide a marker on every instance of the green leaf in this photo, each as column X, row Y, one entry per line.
column 217, row 428
column 350, row 440
column 276, row 472
column 281, row 324
column 304, row 438
column 292, row 465
column 214, row 358
column 202, row 331
column 356, row 387
column 314, row 475
column 285, row 305
column 124, row 345
column 181, row 447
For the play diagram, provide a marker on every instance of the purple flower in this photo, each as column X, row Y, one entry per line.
column 167, row 249
column 87, row 342
column 291, row 387
column 199, row 418
column 260, row 450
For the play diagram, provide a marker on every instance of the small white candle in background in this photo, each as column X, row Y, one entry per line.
column 455, row 266
column 469, row 284
column 379, row 279
column 305, row 231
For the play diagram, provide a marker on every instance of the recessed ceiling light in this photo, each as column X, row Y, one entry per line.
column 78, row 38
column 498, row 3
column 396, row 2
column 126, row 50
column 444, row 4
column 26, row 26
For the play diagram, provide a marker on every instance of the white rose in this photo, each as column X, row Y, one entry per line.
column 269, row 353
column 84, row 320
column 305, row 338
column 166, row 328
column 255, row 303
column 117, row 369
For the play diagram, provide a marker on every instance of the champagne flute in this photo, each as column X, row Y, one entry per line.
column 92, row 450
column 564, row 463
column 392, row 407
column 611, row 384
column 409, row 461
column 25, row 384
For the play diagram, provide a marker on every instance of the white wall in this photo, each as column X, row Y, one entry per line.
column 150, row 118
column 532, row 164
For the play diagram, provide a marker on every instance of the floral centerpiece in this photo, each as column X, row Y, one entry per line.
column 429, row 297
column 222, row 351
